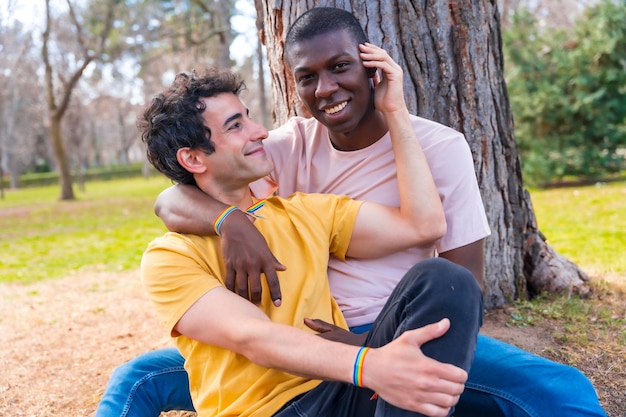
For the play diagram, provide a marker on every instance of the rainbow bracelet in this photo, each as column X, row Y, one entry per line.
column 357, row 374
column 220, row 219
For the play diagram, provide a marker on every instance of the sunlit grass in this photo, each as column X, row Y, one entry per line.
column 110, row 224
column 586, row 224
column 107, row 228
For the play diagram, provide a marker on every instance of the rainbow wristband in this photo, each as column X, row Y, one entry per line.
column 220, row 219
column 357, row 373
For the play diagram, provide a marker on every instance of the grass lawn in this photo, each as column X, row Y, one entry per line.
column 107, row 228
column 586, row 224
column 110, row 224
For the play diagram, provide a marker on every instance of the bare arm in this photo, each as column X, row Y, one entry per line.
column 186, row 209
column 419, row 221
column 398, row 372
column 470, row 256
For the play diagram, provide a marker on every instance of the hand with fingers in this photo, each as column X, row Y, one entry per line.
column 247, row 258
column 403, row 376
column 389, row 89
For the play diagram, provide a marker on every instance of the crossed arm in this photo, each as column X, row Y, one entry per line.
column 399, row 372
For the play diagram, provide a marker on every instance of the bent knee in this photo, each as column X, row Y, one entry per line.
column 449, row 275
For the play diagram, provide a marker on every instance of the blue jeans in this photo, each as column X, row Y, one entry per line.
column 503, row 381
column 430, row 291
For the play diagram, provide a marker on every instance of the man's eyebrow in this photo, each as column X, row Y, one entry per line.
column 337, row 57
column 232, row 119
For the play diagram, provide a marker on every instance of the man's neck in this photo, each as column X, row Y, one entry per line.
column 240, row 197
column 366, row 133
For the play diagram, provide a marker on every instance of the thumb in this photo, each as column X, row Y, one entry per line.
column 318, row 325
column 430, row 332
column 278, row 265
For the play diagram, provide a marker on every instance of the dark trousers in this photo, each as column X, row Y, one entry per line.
column 430, row 291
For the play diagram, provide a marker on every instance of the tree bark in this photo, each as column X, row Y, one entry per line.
column 451, row 52
column 63, row 164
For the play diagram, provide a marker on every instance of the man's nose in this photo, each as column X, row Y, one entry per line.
column 326, row 85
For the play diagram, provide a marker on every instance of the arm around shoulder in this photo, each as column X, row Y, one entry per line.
column 186, row 209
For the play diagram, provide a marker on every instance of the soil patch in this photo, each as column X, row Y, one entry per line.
column 62, row 338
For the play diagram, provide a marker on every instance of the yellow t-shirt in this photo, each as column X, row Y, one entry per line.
column 178, row 269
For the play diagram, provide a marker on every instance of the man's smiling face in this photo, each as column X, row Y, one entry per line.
column 239, row 156
column 331, row 80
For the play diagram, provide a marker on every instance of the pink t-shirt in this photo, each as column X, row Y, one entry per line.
column 306, row 161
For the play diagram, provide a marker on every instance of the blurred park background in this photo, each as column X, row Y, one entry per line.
column 76, row 192
column 73, row 79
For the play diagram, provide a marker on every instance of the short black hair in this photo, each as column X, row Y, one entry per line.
column 173, row 119
column 322, row 20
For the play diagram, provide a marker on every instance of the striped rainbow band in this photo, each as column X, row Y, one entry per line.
column 220, row 219
column 357, row 374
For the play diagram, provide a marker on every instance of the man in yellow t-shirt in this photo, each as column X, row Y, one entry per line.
column 261, row 360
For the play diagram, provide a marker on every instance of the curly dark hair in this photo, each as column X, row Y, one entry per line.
column 322, row 20
column 173, row 119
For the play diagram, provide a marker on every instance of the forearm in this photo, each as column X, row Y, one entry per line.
column 419, row 201
column 223, row 319
column 471, row 256
column 300, row 353
column 398, row 371
column 186, row 209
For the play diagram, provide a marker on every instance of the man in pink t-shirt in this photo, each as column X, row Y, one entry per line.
column 344, row 148
column 304, row 158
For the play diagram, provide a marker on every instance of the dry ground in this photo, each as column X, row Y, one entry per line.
column 62, row 338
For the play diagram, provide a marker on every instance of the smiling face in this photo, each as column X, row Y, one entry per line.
column 334, row 86
column 239, row 156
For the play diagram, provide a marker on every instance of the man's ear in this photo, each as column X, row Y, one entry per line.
column 190, row 160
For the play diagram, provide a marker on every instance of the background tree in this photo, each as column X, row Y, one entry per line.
column 21, row 109
column 568, row 92
column 198, row 29
column 91, row 36
column 451, row 53
column 550, row 13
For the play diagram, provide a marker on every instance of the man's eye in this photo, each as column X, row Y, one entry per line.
column 234, row 126
column 304, row 78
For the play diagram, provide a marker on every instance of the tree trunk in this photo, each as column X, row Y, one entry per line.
column 451, row 53
column 1, row 177
column 261, row 82
column 63, row 165
column 222, row 11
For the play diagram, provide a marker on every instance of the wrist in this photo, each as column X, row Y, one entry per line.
column 357, row 371
column 221, row 218
column 400, row 113
column 232, row 223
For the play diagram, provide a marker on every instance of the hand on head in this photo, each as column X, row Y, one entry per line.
column 389, row 89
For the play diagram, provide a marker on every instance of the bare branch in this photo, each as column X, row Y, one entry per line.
column 89, row 57
column 46, row 60
column 79, row 29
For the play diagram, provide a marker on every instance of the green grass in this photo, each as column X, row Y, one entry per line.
column 586, row 224
column 110, row 224
column 107, row 228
